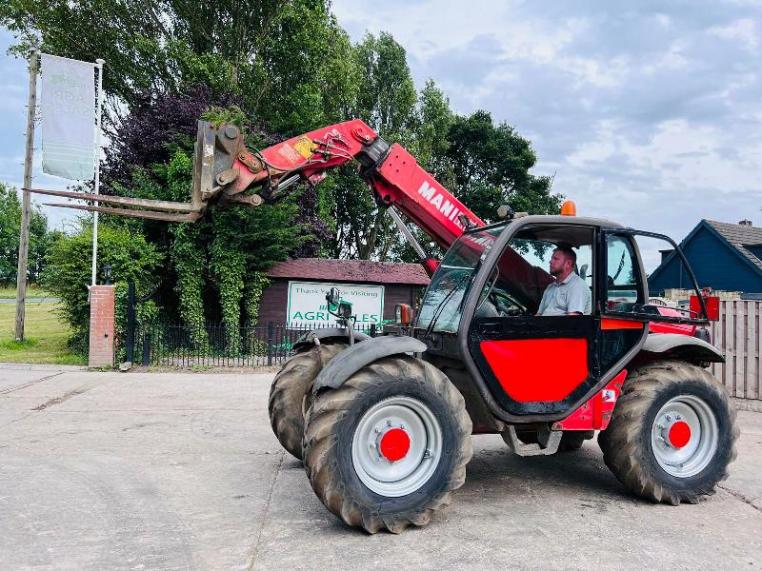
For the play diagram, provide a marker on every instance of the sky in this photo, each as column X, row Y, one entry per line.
column 647, row 113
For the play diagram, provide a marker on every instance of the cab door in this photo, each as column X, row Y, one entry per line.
column 533, row 367
column 625, row 308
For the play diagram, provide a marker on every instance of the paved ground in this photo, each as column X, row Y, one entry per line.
column 181, row 471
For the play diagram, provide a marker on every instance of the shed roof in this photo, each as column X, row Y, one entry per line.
column 358, row 271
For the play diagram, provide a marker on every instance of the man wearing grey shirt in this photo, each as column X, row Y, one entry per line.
column 569, row 294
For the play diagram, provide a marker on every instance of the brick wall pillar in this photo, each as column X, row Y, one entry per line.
column 101, row 352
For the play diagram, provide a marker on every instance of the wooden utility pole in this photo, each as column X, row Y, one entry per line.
column 34, row 59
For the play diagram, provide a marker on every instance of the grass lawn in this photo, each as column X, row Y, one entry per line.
column 45, row 334
column 31, row 291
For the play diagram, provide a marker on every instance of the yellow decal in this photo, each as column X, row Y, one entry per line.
column 305, row 147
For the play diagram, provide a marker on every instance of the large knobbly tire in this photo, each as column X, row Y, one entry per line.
column 340, row 426
column 289, row 388
column 654, row 457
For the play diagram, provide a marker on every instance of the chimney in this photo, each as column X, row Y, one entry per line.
column 745, row 222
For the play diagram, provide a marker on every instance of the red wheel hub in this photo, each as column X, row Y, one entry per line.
column 679, row 434
column 395, row 444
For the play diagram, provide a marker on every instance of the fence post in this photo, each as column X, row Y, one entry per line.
column 146, row 348
column 130, row 341
column 270, row 341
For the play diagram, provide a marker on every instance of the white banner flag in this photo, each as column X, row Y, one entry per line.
column 68, row 118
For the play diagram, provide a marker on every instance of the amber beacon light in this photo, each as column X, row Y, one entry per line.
column 568, row 208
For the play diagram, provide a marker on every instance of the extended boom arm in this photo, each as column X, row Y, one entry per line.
column 391, row 171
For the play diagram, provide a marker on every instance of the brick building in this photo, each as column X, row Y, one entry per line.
column 296, row 293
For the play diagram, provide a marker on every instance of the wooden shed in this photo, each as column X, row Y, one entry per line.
column 296, row 294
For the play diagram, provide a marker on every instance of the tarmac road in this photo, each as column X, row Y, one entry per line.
column 181, row 471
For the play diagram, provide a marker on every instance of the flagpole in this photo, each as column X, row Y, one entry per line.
column 99, row 64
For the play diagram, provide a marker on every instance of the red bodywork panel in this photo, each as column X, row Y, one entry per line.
column 679, row 328
column 595, row 414
column 608, row 324
column 534, row 370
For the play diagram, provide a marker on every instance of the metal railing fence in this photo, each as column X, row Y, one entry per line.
column 213, row 345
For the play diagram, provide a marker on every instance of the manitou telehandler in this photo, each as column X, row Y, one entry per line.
column 384, row 424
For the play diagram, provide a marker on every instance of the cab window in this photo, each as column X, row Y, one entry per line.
column 623, row 289
column 523, row 273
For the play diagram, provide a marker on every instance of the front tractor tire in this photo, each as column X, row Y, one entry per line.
column 672, row 434
column 290, row 388
column 386, row 449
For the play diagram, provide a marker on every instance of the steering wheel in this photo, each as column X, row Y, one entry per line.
column 513, row 311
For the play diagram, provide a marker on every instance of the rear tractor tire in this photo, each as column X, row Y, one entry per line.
column 386, row 449
column 672, row 434
column 290, row 390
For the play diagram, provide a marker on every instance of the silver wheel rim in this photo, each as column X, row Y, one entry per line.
column 690, row 459
column 410, row 473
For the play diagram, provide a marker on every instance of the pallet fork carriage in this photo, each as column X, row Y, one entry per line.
column 384, row 425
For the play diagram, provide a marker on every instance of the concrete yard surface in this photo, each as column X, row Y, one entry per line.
column 182, row 471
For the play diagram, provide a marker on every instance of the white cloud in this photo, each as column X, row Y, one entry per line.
column 746, row 31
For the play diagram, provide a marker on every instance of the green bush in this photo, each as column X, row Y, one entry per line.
column 69, row 265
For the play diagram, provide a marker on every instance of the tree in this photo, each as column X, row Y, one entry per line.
column 433, row 121
column 386, row 100
column 67, row 274
column 288, row 59
column 230, row 247
column 433, row 118
column 491, row 164
column 10, row 231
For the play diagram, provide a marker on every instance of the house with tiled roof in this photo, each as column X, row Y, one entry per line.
column 296, row 293
column 726, row 257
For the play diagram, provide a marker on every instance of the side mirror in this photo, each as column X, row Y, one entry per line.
column 404, row 314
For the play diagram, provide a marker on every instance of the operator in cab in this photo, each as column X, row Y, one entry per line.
column 569, row 294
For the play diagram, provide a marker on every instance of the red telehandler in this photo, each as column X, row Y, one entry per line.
column 384, row 424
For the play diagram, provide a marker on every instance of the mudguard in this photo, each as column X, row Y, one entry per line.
column 327, row 333
column 354, row 358
column 684, row 346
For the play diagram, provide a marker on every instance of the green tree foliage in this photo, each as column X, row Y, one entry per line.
column 68, row 271
column 10, row 230
column 286, row 63
column 432, row 121
column 387, row 97
column 491, row 166
column 211, row 259
column 387, row 102
column 288, row 59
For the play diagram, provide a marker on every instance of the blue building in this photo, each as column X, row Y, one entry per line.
column 723, row 256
